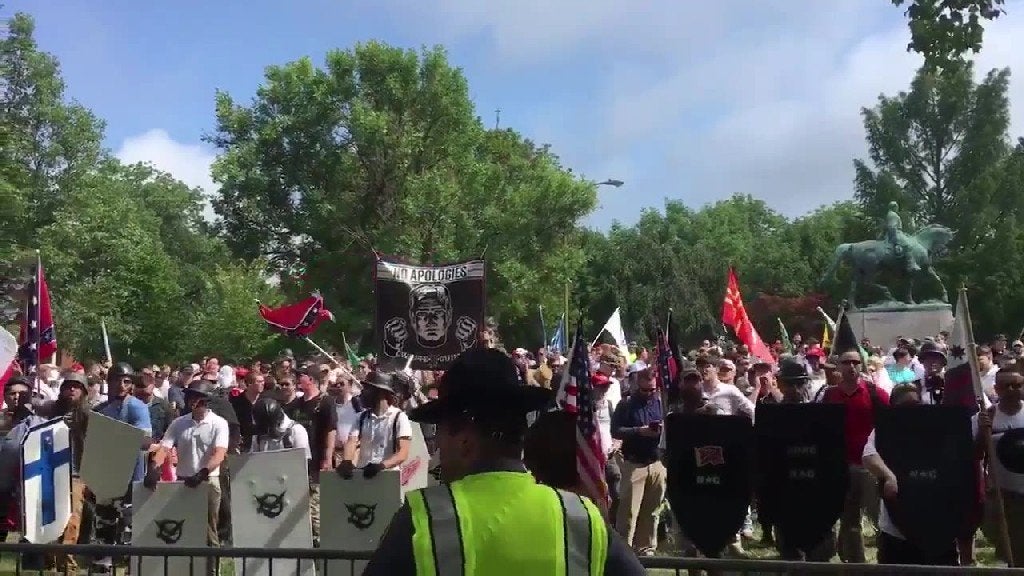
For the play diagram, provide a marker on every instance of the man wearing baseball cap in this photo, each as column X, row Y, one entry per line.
column 491, row 517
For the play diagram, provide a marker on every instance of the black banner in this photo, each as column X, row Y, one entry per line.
column 433, row 313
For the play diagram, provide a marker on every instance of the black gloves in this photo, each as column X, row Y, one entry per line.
column 202, row 476
column 345, row 469
column 371, row 470
column 152, row 477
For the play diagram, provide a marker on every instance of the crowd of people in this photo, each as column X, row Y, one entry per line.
column 351, row 417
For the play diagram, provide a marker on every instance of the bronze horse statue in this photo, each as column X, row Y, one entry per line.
column 868, row 257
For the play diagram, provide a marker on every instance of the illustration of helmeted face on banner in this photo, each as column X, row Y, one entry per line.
column 430, row 311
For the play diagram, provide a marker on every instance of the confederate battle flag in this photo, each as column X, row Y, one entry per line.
column 38, row 341
column 299, row 319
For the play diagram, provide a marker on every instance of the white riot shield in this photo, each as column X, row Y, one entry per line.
column 173, row 515
column 46, row 473
column 355, row 513
column 109, row 456
column 415, row 471
column 270, row 509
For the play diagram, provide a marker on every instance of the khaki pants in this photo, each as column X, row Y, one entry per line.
column 641, row 491
column 213, row 512
column 861, row 497
column 314, row 511
column 1013, row 506
column 66, row 563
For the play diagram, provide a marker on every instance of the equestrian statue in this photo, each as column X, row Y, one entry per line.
column 904, row 255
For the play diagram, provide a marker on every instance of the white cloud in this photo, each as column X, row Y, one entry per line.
column 698, row 101
column 189, row 163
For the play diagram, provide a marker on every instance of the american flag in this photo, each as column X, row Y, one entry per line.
column 38, row 341
column 576, row 396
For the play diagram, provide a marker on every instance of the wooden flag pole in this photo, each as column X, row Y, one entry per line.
column 990, row 449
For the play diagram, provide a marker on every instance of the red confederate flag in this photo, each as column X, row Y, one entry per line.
column 299, row 319
column 734, row 315
column 38, row 341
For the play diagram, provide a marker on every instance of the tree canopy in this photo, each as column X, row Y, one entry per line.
column 379, row 149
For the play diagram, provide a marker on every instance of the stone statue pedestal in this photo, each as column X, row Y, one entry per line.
column 884, row 324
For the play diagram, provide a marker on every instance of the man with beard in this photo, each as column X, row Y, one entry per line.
column 1005, row 422
column 71, row 405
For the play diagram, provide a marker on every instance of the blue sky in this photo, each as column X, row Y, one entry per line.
column 681, row 100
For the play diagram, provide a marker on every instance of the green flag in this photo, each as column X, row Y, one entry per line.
column 786, row 343
column 353, row 358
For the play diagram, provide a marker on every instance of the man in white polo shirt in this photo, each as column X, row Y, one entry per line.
column 383, row 433
column 201, row 440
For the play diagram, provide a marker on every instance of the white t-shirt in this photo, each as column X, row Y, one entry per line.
column 375, row 434
column 195, row 441
column 295, row 436
column 885, row 523
column 728, row 400
column 1001, row 422
column 614, row 393
column 347, row 419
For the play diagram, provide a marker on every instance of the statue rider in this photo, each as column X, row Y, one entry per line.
column 894, row 231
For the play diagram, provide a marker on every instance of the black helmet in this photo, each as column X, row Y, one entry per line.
column 121, row 370
column 267, row 416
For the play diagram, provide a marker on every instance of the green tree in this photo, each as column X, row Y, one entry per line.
column 944, row 30
column 380, row 150
column 942, row 152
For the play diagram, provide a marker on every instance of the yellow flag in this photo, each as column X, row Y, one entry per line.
column 826, row 339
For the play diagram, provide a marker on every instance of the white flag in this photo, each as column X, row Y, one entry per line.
column 8, row 349
column 614, row 327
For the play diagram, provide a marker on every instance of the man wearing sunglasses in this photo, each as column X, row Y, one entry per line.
column 862, row 400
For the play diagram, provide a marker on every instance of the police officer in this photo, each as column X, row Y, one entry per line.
column 491, row 517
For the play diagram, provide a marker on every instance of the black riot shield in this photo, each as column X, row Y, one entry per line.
column 709, row 460
column 931, row 452
column 1010, row 450
column 802, row 473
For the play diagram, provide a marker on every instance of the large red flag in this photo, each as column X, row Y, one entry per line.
column 734, row 315
column 299, row 319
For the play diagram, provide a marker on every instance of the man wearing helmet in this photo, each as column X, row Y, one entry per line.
column 274, row 430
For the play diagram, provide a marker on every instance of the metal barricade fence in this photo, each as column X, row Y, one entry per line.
column 16, row 558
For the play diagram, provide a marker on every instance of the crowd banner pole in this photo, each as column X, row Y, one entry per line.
column 106, row 342
column 990, row 449
column 322, row 351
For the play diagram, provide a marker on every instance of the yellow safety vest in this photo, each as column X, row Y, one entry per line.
column 505, row 524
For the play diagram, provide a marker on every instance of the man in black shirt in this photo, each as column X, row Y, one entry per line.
column 317, row 413
column 637, row 422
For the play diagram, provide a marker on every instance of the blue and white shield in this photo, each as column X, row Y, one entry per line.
column 46, row 477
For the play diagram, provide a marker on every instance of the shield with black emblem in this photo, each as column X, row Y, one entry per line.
column 1010, row 450
column 801, row 458
column 931, row 452
column 709, row 460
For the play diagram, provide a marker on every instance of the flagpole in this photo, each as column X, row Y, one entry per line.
column 565, row 323
column 106, row 342
column 990, row 447
column 37, row 317
column 543, row 328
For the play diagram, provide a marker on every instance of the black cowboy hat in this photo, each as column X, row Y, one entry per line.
column 792, row 371
column 380, row 380
column 199, row 387
column 931, row 348
column 482, row 380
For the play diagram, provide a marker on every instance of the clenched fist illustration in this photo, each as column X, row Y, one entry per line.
column 396, row 332
column 465, row 332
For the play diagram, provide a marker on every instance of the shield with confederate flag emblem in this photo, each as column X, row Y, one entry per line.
column 931, row 452
column 801, row 458
column 709, row 459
